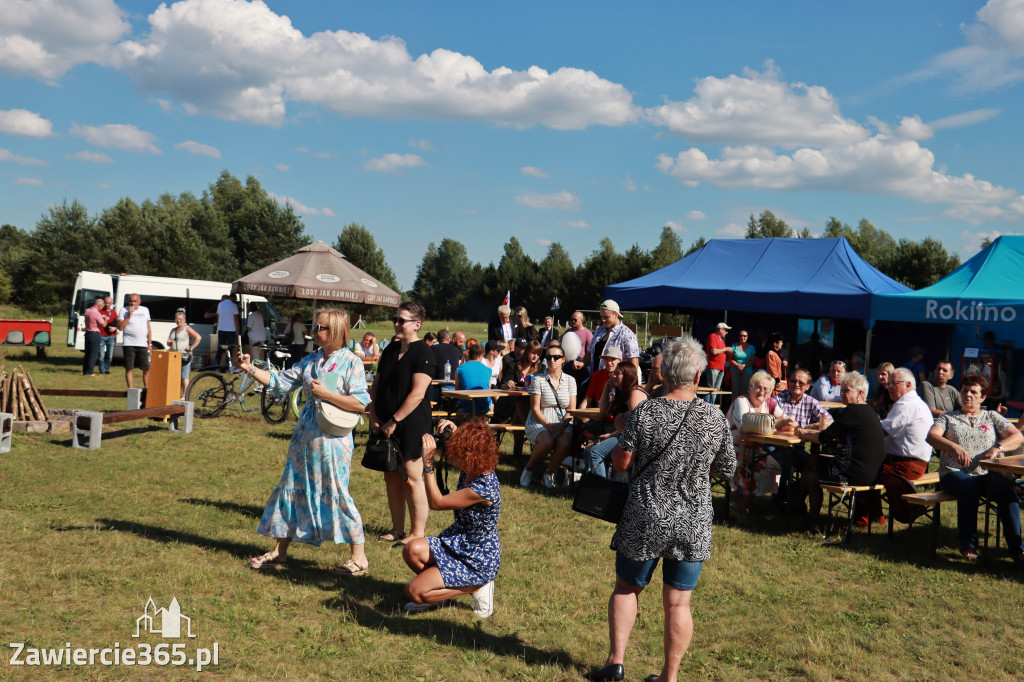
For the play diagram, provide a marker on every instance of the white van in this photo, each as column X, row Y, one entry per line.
column 163, row 296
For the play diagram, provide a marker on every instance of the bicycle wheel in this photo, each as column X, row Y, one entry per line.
column 298, row 401
column 208, row 393
column 274, row 406
column 250, row 394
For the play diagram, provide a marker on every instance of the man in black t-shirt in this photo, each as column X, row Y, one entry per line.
column 444, row 351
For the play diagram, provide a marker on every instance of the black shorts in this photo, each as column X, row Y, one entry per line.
column 136, row 356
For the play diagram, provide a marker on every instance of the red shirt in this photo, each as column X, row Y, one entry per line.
column 715, row 340
column 109, row 317
column 597, row 382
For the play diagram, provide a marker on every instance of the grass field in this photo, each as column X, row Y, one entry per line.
column 89, row 536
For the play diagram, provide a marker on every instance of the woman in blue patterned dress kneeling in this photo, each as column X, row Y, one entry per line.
column 465, row 558
column 312, row 504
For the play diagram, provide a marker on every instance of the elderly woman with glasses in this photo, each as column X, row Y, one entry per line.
column 312, row 504
column 965, row 438
column 855, row 443
column 758, row 472
column 671, row 444
column 549, row 424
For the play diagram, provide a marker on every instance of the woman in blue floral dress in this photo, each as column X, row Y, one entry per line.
column 311, row 504
column 465, row 558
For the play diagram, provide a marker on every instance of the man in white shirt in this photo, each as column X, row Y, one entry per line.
column 256, row 330
column 227, row 326
column 827, row 387
column 907, row 451
column 137, row 339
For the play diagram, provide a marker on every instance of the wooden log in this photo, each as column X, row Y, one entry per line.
column 26, row 387
column 23, row 410
column 83, row 392
column 34, row 392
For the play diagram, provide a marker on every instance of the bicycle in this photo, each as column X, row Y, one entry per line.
column 211, row 393
column 275, row 405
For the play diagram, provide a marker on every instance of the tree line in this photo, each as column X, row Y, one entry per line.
column 236, row 228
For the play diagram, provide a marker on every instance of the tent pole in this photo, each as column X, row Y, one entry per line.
column 867, row 351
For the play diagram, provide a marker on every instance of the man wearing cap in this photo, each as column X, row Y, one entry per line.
column 610, row 359
column 827, row 388
column 612, row 334
column 507, row 328
column 717, row 355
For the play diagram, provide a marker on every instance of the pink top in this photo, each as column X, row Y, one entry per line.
column 93, row 319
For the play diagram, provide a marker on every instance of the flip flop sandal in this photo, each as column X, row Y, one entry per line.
column 390, row 536
column 266, row 561
column 350, row 567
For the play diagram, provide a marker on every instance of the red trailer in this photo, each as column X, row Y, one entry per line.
column 26, row 333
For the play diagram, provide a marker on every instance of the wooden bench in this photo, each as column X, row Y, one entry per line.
column 87, row 426
column 931, row 504
column 134, row 397
column 844, row 497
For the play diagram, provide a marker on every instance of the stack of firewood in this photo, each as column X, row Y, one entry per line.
column 19, row 396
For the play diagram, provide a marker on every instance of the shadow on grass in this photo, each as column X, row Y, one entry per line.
column 249, row 510
column 386, row 613
column 279, row 435
column 120, row 433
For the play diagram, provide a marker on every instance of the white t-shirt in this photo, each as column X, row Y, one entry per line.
column 254, row 323
column 226, row 311
column 137, row 331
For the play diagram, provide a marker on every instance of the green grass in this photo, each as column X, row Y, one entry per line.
column 89, row 536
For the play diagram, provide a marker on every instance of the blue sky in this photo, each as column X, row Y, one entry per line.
column 561, row 122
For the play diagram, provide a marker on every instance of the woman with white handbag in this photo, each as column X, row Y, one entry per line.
column 312, row 504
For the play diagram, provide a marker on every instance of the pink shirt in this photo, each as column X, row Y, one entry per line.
column 93, row 319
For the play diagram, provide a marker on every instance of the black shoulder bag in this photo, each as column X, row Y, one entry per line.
column 604, row 498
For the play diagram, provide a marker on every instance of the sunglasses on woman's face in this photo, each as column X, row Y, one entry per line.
column 320, row 328
column 555, row 357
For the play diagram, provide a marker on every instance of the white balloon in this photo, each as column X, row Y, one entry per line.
column 571, row 345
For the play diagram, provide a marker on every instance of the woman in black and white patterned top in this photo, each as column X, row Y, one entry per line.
column 671, row 443
column 964, row 437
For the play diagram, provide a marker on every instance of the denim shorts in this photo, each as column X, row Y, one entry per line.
column 682, row 575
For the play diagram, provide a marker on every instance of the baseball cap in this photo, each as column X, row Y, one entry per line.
column 521, row 343
column 491, row 345
column 612, row 306
column 723, row 325
column 612, row 352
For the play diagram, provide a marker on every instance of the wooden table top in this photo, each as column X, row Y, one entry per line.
column 586, row 412
column 1011, row 465
column 777, row 438
column 470, row 393
column 831, row 405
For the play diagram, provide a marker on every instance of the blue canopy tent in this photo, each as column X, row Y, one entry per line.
column 984, row 290
column 801, row 277
column 807, row 277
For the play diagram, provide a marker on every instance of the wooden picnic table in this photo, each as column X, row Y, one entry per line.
column 780, row 438
column 586, row 412
column 704, row 390
column 831, row 405
column 472, row 393
column 1010, row 465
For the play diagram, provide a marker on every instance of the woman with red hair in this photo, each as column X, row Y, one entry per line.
column 465, row 558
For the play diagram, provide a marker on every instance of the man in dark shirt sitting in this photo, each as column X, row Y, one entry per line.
column 445, row 352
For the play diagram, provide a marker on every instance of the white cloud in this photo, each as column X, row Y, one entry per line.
column 676, row 225
column 118, row 136
column 301, row 208
column 577, row 224
column 24, row 123
column 284, row 168
column 696, row 215
column 845, row 157
column 165, row 105
column 45, row 38
column 992, row 56
column 323, row 155
column 302, row 150
column 198, row 149
column 534, row 171
column 104, row 185
column 422, row 145
column 732, row 231
column 965, row 119
column 562, row 201
column 628, row 184
column 35, row 182
column 91, row 157
column 544, row 242
column 394, row 163
column 241, row 60
column 8, row 156
column 471, row 211
column 760, row 108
